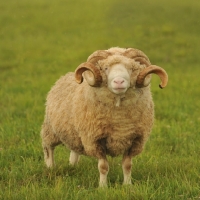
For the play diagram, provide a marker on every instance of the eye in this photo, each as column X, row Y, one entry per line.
column 106, row 68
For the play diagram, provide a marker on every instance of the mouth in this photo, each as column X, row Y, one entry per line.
column 119, row 90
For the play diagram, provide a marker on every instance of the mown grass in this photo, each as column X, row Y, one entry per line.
column 42, row 40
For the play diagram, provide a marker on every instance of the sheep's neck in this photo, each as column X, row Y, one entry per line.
column 118, row 100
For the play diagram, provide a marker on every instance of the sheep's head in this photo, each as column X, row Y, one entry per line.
column 119, row 69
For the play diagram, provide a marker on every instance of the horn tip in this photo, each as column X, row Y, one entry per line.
column 162, row 85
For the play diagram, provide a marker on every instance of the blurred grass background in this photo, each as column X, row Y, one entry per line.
column 41, row 40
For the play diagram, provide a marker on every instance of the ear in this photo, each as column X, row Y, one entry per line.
column 89, row 77
column 147, row 80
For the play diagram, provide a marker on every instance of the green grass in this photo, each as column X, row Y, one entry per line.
column 41, row 40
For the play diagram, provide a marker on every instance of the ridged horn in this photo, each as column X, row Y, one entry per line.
column 149, row 70
column 137, row 55
column 96, row 79
column 98, row 55
column 92, row 73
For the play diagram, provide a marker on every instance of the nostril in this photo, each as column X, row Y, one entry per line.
column 119, row 81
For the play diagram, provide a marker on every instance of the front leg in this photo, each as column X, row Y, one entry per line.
column 97, row 149
column 127, row 166
column 137, row 147
column 103, row 167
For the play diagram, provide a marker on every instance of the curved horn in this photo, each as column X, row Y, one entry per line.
column 92, row 74
column 152, row 69
column 137, row 55
column 95, row 81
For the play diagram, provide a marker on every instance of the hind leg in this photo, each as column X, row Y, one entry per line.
column 74, row 157
column 49, row 141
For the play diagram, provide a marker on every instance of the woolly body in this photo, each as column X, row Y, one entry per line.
column 90, row 122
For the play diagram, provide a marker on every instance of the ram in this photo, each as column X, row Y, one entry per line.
column 104, row 108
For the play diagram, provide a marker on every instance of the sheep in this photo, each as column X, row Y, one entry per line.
column 103, row 109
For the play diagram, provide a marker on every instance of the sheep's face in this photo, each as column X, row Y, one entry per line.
column 119, row 73
column 118, row 78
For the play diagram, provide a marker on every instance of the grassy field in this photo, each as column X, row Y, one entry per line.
column 41, row 40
